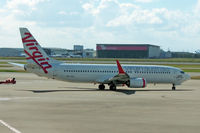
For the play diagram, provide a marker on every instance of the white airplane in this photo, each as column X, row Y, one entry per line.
column 133, row 76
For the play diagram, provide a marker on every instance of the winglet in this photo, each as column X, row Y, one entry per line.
column 120, row 69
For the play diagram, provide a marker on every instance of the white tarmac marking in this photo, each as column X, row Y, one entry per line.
column 4, row 99
column 14, row 98
column 8, row 126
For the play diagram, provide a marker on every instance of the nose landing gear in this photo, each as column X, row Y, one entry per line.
column 173, row 87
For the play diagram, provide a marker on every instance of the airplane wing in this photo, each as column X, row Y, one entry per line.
column 16, row 64
column 121, row 78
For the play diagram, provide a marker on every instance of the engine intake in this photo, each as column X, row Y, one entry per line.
column 137, row 83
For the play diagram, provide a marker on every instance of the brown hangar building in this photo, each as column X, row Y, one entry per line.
column 127, row 51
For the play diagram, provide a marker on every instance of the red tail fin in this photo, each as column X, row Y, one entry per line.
column 120, row 69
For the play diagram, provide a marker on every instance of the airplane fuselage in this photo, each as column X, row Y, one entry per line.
column 134, row 76
column 96, row 73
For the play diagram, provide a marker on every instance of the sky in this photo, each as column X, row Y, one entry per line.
column 172, row 24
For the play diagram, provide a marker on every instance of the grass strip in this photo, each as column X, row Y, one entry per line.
column 183, row 65
column 9, row 70
column 3, row 62
column 191, row 70
column 5, row 66
column 12, row 58
column 195, row 77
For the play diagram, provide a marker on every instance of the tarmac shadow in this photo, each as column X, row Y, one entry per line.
column 77, row 89
column 158, row 90
column 124, row 91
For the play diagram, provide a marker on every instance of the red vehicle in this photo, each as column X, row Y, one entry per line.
column 8, row 81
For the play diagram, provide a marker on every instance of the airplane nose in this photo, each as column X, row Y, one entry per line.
column 187, row 77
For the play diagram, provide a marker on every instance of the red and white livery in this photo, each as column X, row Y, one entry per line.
column 133, row 76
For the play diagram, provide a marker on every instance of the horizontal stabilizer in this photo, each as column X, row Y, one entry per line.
column 16, row 64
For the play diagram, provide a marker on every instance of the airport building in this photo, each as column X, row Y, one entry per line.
column 12, row 52
column 78, row 47
column 127, row 51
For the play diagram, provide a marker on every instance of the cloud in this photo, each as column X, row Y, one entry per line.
column 87, row 6
column 99, row 21
column 10, row 19
column 21, row 7
column 129, row 14
column 124, row 13
column 2, row 10
column 154, row 25
column 95, row 10
column 65, row 13
column 138, row 16
column 73, row 13
column 197, row 7
column 144, row 1
column 13, row 9
column 13, row 4
column 192, row 29
column 62, row 13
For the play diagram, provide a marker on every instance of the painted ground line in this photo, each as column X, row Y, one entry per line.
column 10, row 127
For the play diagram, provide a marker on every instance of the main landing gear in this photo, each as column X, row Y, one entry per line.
column 173, row 87
column 101, row 87
column 113, row 87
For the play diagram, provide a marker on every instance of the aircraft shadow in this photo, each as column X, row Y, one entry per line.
column 127, row 92
column 124, row 91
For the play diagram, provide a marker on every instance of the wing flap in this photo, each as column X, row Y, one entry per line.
column 121, row 77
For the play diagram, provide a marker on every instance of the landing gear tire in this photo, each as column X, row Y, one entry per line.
column 173, row 87
column 101, row 87
column 113, row 87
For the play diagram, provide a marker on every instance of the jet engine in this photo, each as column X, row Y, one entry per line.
column 137, row 83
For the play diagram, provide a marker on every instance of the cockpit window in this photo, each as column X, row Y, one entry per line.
column 182, row 72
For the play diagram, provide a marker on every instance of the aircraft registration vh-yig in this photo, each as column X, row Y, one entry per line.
column 133, row 76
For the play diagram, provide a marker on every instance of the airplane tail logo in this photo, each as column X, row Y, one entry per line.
column 34, row 52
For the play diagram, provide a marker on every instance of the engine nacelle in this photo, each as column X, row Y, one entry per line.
column 137, row 83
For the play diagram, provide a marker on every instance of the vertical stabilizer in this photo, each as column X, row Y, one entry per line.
column 120, row 69
column 34, row 53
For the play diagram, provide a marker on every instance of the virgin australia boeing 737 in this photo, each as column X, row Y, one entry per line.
column 133, row 76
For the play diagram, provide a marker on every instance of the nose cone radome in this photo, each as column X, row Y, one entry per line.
column 187, row 77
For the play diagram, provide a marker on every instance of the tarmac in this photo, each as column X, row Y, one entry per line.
column 40, row 105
